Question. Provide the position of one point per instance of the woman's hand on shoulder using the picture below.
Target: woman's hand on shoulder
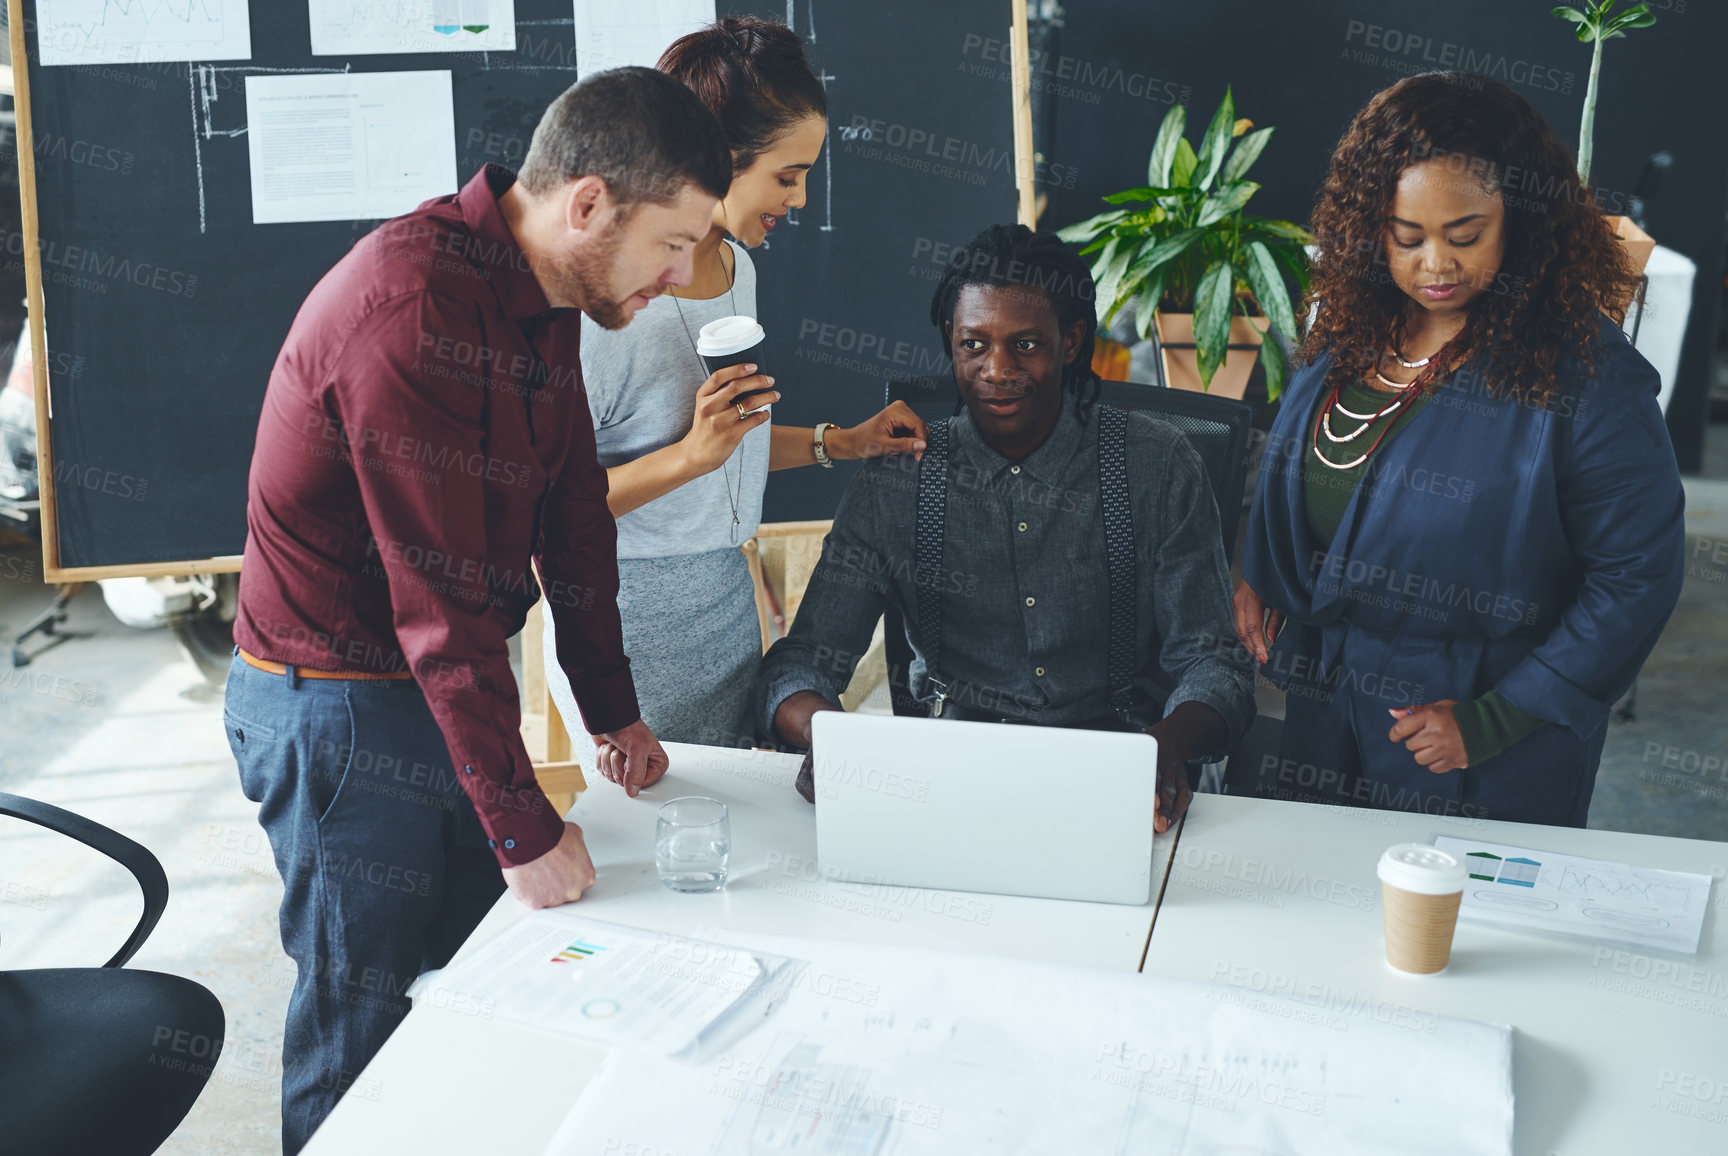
(896, 430)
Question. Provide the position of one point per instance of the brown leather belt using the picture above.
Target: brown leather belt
(269, 667)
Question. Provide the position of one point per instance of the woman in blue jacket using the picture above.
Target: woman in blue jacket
(1468, 532)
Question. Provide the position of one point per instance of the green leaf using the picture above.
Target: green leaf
(1571, 14)
(1105, 256)
(1216, 142)
(1090, 228)
(1212, 318)
(1164, 148)
(1110, 284)
(1146, 304)
(1276, 228)
(1268, 286)
(1182, 167)
(1639, 16)
(1157, 256)
(1143, 193)
(1228, 199)
(1246, 152)
(1272, 356)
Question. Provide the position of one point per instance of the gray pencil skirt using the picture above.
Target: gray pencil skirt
(694, 643)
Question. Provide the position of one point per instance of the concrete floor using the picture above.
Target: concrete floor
(117, 726)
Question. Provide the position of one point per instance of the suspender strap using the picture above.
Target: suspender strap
(1118, 542)
(927, 572)
(1119, 547)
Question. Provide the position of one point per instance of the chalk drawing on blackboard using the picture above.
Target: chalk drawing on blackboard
(373, 27)
(142, 31)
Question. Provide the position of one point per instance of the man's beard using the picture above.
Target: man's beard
(588, 285)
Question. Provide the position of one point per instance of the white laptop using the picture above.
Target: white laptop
(993, 807)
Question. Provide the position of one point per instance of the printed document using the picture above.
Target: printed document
(345, 146)
(1640, 906)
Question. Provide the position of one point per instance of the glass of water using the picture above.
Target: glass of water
(692, 842)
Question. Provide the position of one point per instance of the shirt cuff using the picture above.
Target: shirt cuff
(1490, 724)
(608, 701)
(520, 822)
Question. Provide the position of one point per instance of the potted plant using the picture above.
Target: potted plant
(1190, 261)
(1598, 23)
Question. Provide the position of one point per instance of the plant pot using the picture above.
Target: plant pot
(1182, 360)
(1637, 243)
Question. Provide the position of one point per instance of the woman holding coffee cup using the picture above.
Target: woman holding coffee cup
(687, 459)
(1468, 531)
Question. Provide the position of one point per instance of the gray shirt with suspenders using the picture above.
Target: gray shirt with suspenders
(1084, 586)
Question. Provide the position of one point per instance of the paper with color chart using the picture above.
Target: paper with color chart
(910, 1052)
(345, 146)
(142, 31)
(615, 984)
(612, 34)
(367, 27)
(1640, 906)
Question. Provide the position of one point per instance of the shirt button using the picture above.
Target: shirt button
(1030, 601)
(1039, 672)
(1022, 527)
(470, 770)
(492, 843)
(1013, 469)
(509, 844)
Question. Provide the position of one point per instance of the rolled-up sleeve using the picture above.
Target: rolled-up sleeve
(1190, 598)
(429, 538)
(848, 592)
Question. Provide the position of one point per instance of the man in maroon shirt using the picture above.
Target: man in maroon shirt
(424, 435)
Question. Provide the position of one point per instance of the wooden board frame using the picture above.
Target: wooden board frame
(52, 571)
(25, 147)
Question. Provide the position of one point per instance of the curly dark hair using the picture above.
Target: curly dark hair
(1562, 267)
(751, 74)
(1013, 256)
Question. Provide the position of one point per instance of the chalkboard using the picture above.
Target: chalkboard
(162, 306)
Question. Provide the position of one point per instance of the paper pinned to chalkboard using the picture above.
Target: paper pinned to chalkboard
(612, 35)
(371, 27)
(1593, 898)
(344, 146)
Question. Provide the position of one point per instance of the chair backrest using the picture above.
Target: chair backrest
(135, 857)
(1217, 428)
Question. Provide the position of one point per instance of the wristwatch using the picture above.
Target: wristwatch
(822, 457)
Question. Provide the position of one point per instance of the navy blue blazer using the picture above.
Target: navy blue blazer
(1492, 544)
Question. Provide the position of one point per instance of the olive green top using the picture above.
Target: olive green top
(1488, 724)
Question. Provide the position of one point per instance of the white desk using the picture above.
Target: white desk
(518, 1082)
(1616, 1051)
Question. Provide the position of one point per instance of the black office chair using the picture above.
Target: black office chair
(102, 1059)
(1217, 428)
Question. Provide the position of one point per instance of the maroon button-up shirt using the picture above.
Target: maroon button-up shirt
(425, 432)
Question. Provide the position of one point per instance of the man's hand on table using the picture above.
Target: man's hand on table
(632, 757)
(559, 876)
(1191, 729)
(792, 721)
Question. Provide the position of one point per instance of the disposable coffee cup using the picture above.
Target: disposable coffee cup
(1420, 890)
(735, 340)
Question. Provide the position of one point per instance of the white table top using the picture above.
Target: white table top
(516, 1082)
(1616, 1050)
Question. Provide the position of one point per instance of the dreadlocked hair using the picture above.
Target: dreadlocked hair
(1013, 256)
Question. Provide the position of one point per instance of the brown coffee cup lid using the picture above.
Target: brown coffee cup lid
(1422, 869)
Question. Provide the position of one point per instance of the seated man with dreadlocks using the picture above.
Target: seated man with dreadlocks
(1056, 562)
